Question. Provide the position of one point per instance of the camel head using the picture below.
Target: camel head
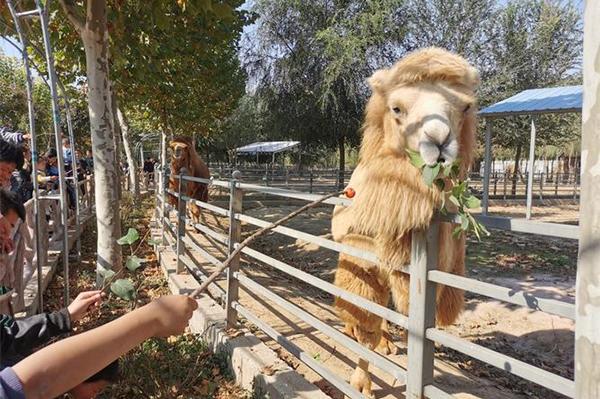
(426, 103)
(182, 148)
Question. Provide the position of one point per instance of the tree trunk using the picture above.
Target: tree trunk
(134, 184)
(342, 163)
(106, 178)
(516, 172)
(117, 141)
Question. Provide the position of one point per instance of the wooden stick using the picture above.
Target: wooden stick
(253, 237)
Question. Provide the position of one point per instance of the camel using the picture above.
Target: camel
(185, 156)
(425, 103)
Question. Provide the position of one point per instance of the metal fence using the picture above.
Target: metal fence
(545, 185)
(424, 276)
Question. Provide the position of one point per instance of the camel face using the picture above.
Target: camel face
(180, 151)
(427, 117)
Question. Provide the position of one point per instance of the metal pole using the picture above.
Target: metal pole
(487, 166)
(235, 234)
(181, 220)
(587, 303)
(530, 166)
(58, 141)
(422, 308)
(34, 154)
(74, 166)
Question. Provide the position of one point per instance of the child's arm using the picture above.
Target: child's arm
(20, 337)
(61, 366)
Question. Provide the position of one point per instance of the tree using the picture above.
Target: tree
(538, 45)
(309, 60)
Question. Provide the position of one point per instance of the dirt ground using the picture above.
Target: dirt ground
(542, 265)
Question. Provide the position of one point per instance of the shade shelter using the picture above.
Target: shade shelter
(532, 102)
(267, 147)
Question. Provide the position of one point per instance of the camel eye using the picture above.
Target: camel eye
(397, 111)
(467, 108)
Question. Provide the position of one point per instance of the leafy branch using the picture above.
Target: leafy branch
(124, 287)
(458, 199)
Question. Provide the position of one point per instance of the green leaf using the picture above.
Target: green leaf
(454, 200)
(415, 159)
(131, 237)
(124, 289)
(464, 222)
(106, 274)
(472, 202)
(152, 241)
(133, 263)
(457, 232)
(430, 173)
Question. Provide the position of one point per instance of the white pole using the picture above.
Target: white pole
(587, 304)
(530, 175)
(487, 166)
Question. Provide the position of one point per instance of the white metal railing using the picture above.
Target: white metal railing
(424, 277)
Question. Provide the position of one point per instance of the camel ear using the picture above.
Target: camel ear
(472, 78)
(379, 80)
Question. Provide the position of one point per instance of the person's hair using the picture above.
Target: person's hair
(51, 153)
(109, 373)
(10, 200)
(11, 153)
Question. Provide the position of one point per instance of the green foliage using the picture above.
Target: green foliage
(458, 199)
(133, 263)
(124, 289)
(130, 238)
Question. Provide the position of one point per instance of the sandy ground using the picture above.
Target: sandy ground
(540, 265)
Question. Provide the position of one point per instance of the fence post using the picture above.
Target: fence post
(542, 186)
(235, 233)
(310, 189)
(556, 184)
(424, 250)
(165, 207)
(181, 220)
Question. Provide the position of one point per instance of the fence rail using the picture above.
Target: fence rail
(424, 277)
(502, 185)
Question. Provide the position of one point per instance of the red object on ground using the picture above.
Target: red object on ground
(349, 192)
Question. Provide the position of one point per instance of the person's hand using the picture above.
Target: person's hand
(54, 178)
(26, 136)
(84, 301)
(171, 314)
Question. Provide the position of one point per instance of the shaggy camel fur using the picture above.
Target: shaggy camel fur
(185, 156)
(426, 103)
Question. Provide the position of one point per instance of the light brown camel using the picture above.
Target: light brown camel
(184, 155)
(425, 103)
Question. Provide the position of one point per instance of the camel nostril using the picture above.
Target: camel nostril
(441, 160)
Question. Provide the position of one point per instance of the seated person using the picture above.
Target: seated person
(11, 210)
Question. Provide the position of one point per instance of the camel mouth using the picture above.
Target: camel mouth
(433, 153)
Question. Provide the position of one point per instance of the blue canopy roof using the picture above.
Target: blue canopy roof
(538, 101)
(267, 147)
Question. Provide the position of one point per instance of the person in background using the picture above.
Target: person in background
(52, 166)
(11, 210)
(67, 155)
(89, 162)
(20, 181)
(44, 181)
(11, 158)
(13, 137)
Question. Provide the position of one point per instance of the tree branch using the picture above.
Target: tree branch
(70, 8)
